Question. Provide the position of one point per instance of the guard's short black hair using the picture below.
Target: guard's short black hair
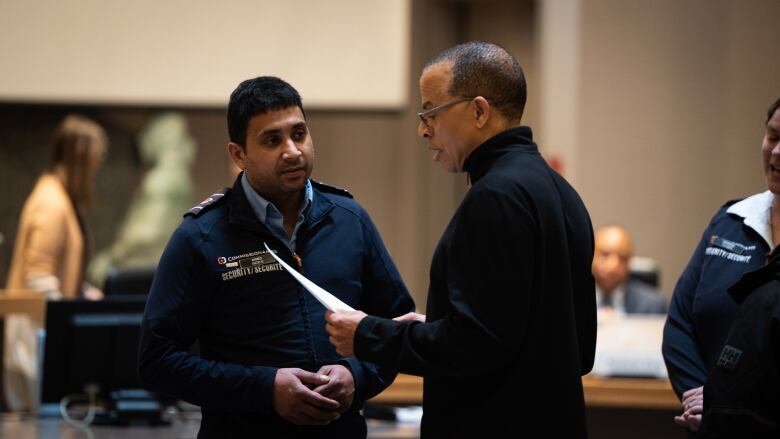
(772, 109)
(487, 70)
(257, 96)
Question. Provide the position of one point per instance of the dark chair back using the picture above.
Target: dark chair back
(646, 270)
(129, 281)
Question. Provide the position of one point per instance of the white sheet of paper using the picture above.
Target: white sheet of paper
(327, 299)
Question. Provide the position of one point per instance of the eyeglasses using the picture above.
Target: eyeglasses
(424, 115)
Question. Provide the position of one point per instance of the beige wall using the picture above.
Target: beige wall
(668, 96)
(339, 53)
(664, 107)
(672, 102)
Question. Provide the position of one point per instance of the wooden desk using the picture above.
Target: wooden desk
(629, 393)
(405, 390)
(23, 302)
(599, 392)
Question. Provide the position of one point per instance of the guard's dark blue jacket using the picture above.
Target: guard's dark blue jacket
(701, 310)
(216, 284)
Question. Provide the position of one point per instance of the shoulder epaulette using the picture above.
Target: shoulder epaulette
(331, 189)
(210, 201)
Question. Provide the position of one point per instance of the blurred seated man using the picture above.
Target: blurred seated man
(615, 291)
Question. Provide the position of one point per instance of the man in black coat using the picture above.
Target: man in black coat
(511, 322)
(742, 392)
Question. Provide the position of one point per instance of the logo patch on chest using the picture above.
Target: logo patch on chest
(730, 250)
(248, 264)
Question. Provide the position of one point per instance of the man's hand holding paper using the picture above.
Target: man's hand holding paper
(342, 326)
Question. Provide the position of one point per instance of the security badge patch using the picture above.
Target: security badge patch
(729, 357)
(733, 251)
(248, 263)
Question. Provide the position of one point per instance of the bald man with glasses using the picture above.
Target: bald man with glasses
(511, 323)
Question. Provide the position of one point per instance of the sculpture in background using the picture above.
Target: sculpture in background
(167, 149)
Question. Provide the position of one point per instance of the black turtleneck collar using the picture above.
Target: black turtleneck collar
(480, 160)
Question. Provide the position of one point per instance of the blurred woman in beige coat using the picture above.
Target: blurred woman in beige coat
(50, 250)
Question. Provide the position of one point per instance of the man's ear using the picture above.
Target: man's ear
(237, 153)
(482, 111)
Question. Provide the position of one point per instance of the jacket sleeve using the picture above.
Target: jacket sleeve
(485, 327)
(684, 364)
(581, 251)
(385, 295)
(175, 311)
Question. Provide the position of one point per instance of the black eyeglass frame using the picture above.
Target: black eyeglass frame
(424, 115)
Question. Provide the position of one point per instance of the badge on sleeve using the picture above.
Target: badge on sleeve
(729, 357)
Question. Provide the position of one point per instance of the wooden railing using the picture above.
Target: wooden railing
(599, 392)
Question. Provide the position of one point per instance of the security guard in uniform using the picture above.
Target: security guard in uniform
(738, 239)
(265, 366)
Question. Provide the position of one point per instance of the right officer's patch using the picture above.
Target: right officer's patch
(729, 357)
